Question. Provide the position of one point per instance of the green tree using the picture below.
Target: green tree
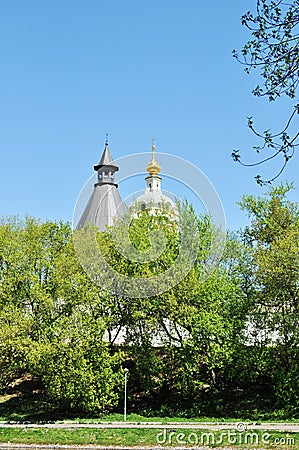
(28, 252)
(274, 235)
(75, 365)
(14, 343)
(52, 317)
(274, 239)
(180, 340)
(274, 50)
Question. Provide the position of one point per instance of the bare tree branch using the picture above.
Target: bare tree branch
(274, 50)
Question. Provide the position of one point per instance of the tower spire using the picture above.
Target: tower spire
(105, 203)
(106, 167)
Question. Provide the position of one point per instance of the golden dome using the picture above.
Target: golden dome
(153, 168)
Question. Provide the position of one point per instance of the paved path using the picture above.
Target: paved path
(239, 426)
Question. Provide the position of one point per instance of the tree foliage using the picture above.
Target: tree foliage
(274, 319)
(51, 323)
(179, 341)
(215, 340)
(274, 51)
(274, 239)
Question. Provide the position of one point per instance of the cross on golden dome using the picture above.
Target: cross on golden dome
(153, 168)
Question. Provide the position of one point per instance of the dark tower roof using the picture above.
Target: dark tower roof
(105, 204)
(106, 159)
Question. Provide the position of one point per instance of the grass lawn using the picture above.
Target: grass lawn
(78, 436)
(149, 437)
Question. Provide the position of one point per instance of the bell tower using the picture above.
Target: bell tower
(153, 181)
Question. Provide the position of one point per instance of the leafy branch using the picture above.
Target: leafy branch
(274, 50)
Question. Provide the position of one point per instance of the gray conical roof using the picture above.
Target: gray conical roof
(106, 159)
(105, 204)
(103, 208)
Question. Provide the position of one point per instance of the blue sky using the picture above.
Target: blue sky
(73, 70)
